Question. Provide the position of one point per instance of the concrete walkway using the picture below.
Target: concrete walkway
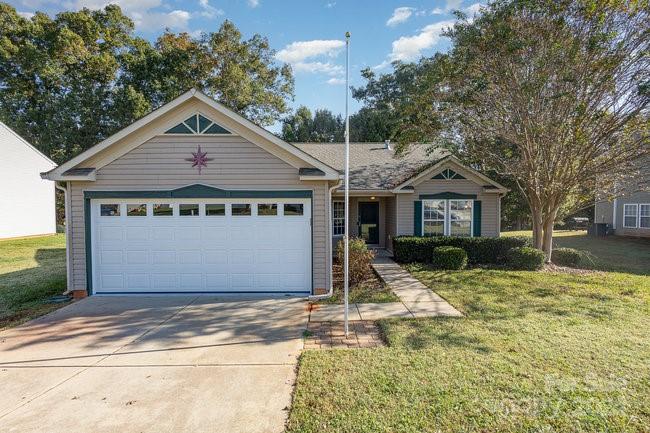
(153, 364)
(416, 299)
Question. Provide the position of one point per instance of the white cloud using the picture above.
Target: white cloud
(253, 3)
(175, 20)
(209, 11)
(26, 15)
(318, 68)
(409, 48)
(330, 5)
(335, 81)
(298, 51)
(451, 5)
(473, 9)
(400, 15)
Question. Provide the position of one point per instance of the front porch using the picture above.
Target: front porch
(372, 218)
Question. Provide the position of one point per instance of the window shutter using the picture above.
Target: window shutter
(417, 218)
(477, 218)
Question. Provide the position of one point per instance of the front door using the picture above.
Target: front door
(369, 222)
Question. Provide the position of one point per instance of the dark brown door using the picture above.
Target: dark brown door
(369, 221)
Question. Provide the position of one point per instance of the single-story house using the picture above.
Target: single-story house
(27, 207)
(628, 214)
(194, 198)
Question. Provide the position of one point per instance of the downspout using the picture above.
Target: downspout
(330, 291)
(68, 251)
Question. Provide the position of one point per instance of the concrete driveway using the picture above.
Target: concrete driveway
(153, 364)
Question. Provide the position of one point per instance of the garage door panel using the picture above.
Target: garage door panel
(219, 253)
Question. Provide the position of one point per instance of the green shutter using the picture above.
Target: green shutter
(477, 218)
(417, 218)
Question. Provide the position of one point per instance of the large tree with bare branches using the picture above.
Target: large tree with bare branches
(552, 94)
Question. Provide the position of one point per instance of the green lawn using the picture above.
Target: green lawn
(31, 271)
(535, 352)
(612, 253)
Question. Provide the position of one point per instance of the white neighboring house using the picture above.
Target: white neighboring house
(27, 204)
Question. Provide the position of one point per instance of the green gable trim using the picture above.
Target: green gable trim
(448, 174)
(417, 218)
(447, 196)
(199, 191)
(477, 218)
(88, 244)
(197, 124)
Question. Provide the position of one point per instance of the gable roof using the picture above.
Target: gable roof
(59, 172)
(372, 165)
(26, 143)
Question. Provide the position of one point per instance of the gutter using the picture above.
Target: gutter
(330, 291)
(68, 250)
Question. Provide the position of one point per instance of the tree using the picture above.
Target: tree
(552, 94)
(70, 81)
(323, 127)
(399, 104)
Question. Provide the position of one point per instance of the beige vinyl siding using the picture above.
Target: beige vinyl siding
(236, 164)
(489, 203)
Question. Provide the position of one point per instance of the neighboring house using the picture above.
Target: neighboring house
(195, 198)
(27, 206)
(629, 213)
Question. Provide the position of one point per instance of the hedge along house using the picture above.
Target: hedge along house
(193, 198)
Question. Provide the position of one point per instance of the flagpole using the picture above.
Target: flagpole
(346, 264)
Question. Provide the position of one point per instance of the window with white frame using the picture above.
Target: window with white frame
(338, 218)
(447, 217)
(460, 217)
(644, 216)
(433, 218)
(630, 215)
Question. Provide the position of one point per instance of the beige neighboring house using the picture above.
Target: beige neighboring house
(194, 198)
(27, 206)
(629, 213)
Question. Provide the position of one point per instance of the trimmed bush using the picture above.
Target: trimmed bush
(525, 258)
(480, 251)
(360, 259)
(566, 257)
(450, 258)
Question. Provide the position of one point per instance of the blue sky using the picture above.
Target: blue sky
(307, 34)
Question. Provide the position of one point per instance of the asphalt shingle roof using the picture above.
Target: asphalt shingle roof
(372, 166)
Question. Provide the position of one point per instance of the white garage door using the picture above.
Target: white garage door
(206, 245)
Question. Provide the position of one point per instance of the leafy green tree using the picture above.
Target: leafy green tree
(551, 94)
(323, 127)
(70, 81)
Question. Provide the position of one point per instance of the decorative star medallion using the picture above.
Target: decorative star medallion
(199, 159)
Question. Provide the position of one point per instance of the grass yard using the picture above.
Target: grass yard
(612, 253)
(31, 271)
(536, 352)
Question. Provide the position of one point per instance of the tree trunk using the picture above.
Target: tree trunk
(537, 228)
(547, 245)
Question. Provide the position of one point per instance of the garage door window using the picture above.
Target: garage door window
(293, 209)
(136, 210)
(215, 209)
(188, 209)
(241, 209)
(267, 209)
(163, 210)
(109, 210)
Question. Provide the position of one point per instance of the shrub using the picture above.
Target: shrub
(360, 259)
(452, 258)
(480, 251)
(566, 257)
(525, 258)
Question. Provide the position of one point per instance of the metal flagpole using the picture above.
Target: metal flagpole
(346, 264)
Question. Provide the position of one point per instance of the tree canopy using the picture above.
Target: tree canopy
(70, 81)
